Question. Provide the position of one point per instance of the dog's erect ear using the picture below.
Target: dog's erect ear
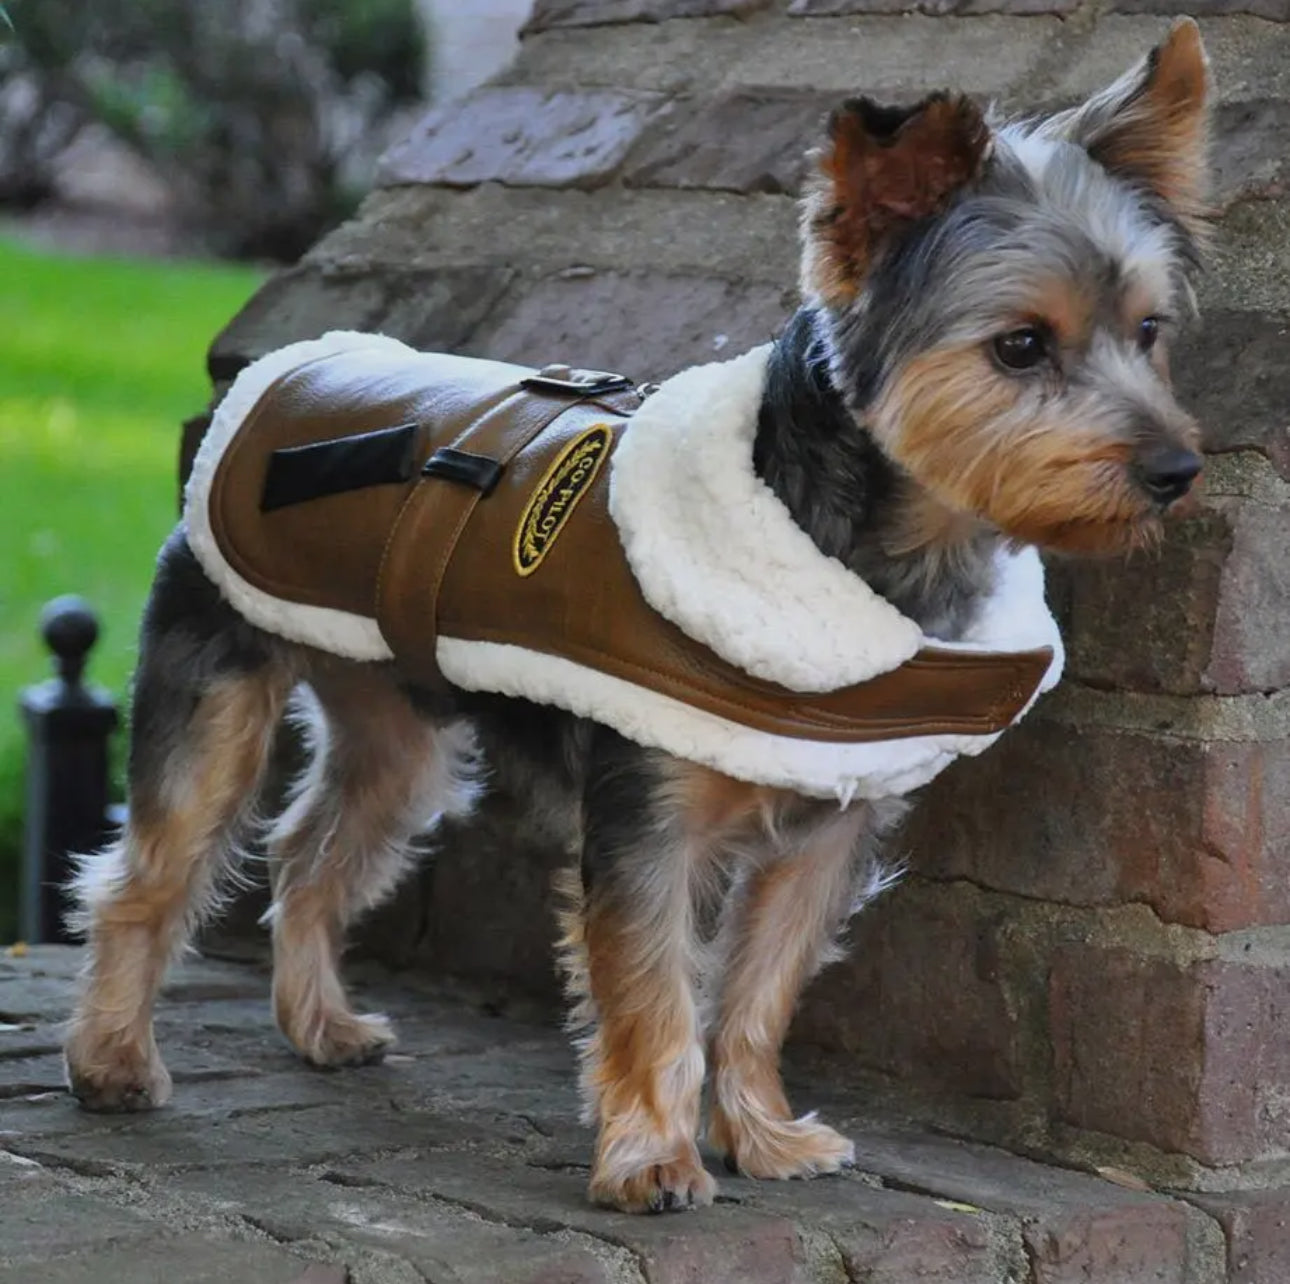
(1151, 127)
(883, 168)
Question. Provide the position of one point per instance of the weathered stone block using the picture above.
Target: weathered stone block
(751, 140)
(1256, 1226)
(1249, 58)
(1208, 611)
(726, 1245)
(1231, 373)
(443, 1243)
(192, 1258)
(488, 905)
(594, 13)
(1275, 10)
(430, 309)
(1137, 1245)
(537, 232)
(646, 326)
(887, 1236)
(1096, 815)
(523, 137)
(1191, 1057)
(934, 8)
(922, 995)
(1145, 624)
(1251, 649)
(1249, 156)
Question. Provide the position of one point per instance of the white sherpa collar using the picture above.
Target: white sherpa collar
(718, 553)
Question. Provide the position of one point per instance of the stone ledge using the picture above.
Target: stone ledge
(598, 13)
(437, 308)
(893, 55)
(409, 229)
(461, 1158)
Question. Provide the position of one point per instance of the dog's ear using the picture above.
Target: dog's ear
(1151, 127)
(883, 168)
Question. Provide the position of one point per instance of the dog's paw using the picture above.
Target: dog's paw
(346, 1039)
(680, 1184)
(110, 1075)
(780, 1148)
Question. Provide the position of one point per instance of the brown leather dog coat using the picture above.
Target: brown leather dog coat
(450, 497)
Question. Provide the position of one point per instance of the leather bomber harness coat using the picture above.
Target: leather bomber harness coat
(453, 514)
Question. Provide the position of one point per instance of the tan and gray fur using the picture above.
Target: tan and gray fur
(980, 358)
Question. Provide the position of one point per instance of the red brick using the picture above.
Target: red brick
(887, 1236)
(1209, 612)
(1142, 1244)
(596, 13)
(1237, 359)
(1251, 650)
(752, 140)
(942, 1014)
(1189, 1057)
(1256, 1226)
(523, 137)
(1198, 830)
(1075, 1227)
(1146, 624)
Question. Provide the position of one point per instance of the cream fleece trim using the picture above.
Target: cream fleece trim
(718, 553)
(354, 636)
(880, 769)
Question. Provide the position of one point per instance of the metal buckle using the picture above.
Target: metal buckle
(581, 383)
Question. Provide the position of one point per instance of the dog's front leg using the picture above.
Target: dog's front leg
(643, 1062)
(785, 921)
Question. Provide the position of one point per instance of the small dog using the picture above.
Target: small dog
(980, 364)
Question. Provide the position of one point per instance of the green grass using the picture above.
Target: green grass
(100, 361)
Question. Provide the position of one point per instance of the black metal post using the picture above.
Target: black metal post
(68, 728)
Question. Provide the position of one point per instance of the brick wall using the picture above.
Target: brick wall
(1092, 955)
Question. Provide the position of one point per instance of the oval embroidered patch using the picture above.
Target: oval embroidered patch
(557, 495)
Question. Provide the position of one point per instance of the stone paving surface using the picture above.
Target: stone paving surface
(461, 1159)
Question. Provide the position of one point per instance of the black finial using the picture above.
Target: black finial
(70, 628)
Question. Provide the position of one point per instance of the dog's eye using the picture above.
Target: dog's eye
(1148, 333)
(1021, 349)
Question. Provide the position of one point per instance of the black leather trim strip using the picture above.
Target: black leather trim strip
(478, 471)
(297, 474)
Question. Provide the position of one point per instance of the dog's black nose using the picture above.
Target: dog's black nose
(1167, 473)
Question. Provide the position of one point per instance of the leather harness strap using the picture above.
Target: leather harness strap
(439, 508)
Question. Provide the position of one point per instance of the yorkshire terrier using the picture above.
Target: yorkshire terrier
(980, 364)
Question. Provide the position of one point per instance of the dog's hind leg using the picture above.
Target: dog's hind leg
(786, 921)
(631, 950)
(208, 694)
(379, 773)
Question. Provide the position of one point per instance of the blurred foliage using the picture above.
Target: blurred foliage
(264, 117)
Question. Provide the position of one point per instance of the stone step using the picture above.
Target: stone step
(462, 1159)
